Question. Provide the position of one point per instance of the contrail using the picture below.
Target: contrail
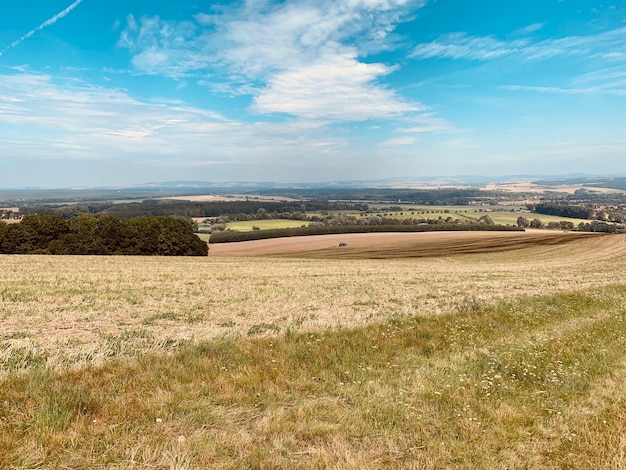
(46, 23)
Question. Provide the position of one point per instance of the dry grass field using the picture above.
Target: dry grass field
(247, 226)
(456, 351)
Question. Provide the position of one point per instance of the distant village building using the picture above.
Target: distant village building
(10, 213)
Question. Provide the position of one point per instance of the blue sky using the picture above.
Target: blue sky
(106, 93)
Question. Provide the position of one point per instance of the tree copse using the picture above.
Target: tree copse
(101, 234)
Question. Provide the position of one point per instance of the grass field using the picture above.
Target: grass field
(204, 236)
(247, 226)
(493, 359)
(505, 215)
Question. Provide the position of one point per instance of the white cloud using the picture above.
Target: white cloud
(98, 120)
(532, 28)
(336, 88)
(602, 53)
(74, 121)
(398, 142)
(427, 123)
(567, 91)
(462, 46)
(161, 47)
(285, 54)
(609, 44)
(606, 77)
(205, 19)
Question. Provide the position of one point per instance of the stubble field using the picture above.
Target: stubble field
(505, 356)
(67, 310)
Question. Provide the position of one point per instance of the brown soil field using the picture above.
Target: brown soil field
(393, 245)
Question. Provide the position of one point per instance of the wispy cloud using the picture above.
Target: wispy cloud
(397, 142)
(461, 46)
(532, 28)
(165, 47)
(293, 57)
(567, 91)
(81, 122)
(427, 123)
(611, 76)
(43, 25)
(260, 37)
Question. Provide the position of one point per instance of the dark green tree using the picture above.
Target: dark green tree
(536, 223)
(34, 233)
(95, 234)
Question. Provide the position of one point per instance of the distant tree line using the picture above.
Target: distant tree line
(386, 220)
(563, 210)
(616, 183)
(89, 234)
(591, 211)
(601, 227)
(16, 197)
(438, 197)
(235, 236)
(169, 207)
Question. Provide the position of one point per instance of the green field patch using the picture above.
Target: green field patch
(500, 214)
(204, 236)
(248, 226)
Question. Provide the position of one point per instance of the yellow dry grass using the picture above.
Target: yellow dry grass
(78, 310)
(537, 383)
(491, 359)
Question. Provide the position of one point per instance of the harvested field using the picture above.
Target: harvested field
(86, 309)
(232, 197)
(479, 359)
(394, 245)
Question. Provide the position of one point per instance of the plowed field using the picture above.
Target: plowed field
(395, 245)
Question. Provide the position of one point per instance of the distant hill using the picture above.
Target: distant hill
(165, 189)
